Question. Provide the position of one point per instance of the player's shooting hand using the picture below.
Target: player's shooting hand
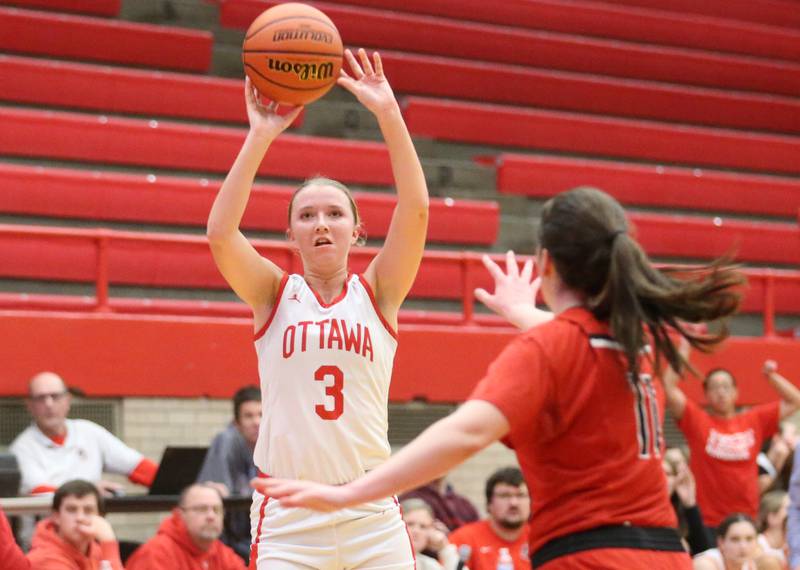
(265, 121)
(515, 291)
(303, 494)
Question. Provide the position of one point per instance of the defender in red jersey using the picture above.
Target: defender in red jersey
(575, 397)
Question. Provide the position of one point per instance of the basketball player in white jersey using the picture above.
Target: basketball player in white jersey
(325, 339)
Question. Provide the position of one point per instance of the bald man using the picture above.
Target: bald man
(54, 450)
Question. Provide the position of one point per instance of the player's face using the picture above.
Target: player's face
(249, 420)
(74, 514)
(49, 403)
(322, 226)
(510, 505)
(202, 513)
(739, 543)
(420, 524)
(721, 393)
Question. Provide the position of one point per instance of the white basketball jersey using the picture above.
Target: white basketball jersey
(325, 373)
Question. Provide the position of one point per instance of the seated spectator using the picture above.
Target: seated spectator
(11, 555)
(774, 461)
(75, 536)
(683, 495)
(508, 505)
(229, 463)
(425, 537)
(737, 548)
(772, 524)
(189, 538)
(448, 506)
(55, 450)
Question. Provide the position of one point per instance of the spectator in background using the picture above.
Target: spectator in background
(775, 459)
(229, 463)
(425, 537)
(55, 450)
(448, 506)
(737, 548)
(508, 504)
(75, 536)
(772, 524)
(793, 516)
(11, 555)
(189, 538)
(724, 444)
(683, 494)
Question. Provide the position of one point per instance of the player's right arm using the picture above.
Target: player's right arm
(253, 278)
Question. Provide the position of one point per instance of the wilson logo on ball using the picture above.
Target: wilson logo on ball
(302, 34)
(304, 71)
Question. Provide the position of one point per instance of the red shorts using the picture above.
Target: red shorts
(620, 559)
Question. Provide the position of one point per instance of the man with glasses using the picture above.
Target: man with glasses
(54, 449)
(503, 537)
(189, 538)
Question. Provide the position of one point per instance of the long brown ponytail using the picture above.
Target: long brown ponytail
(588, 237)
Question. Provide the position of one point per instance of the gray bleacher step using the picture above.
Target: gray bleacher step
(197, 14)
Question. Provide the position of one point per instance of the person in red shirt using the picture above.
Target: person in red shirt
(574, 395)
(76, 536)
(724, 443)
(508, 505)
(11, 555)
(189, 538)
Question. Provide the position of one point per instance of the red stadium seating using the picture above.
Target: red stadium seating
(118, 90)
(771, 12)
(95, 39)
(161, 144)
(61, 193)
(601, 136)
(482, 42)
(165, 260)
(95, 7)
(650, 185)
(509, 84)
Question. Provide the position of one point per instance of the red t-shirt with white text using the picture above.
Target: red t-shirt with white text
(588, 440)
(479, 546)
(723, 457)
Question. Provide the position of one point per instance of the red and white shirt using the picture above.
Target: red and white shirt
(325, 370)
(588, 439)
(723, 457)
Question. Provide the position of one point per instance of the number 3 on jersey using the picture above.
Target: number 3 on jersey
(324, 374)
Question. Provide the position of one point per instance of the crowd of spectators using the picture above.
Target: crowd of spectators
(735, 488)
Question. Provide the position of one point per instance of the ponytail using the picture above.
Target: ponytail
(587, 235)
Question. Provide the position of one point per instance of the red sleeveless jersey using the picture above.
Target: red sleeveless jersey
(588, 439)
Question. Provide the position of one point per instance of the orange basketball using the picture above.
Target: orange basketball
(292, 53)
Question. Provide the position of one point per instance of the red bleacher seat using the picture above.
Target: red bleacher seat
(161, 144)
(118, 90)
(773, 12)
(97, 39)
(589, 18)
(500, 83)
(601, 136)
(650, 185)
(483, 42)
(80, 194)
(179, 261)
(95, 7)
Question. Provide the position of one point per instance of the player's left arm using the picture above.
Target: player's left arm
(790, 394)
(442, 446)
(394, 269)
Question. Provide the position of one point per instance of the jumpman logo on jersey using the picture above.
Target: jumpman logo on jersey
(294, 298)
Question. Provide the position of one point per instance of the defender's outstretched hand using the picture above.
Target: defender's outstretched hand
(515, 291)
(368, 83)
(303, 494)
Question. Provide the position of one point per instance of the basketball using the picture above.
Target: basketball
(292, 53)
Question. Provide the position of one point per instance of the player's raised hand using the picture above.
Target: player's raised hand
(264, 118)
(515, 291)
(367, 82)
(303, 494)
